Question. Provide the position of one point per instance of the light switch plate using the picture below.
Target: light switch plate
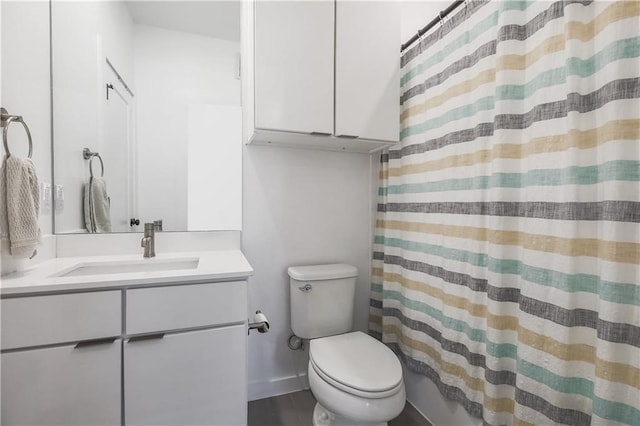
(46, 196)
(59, 197)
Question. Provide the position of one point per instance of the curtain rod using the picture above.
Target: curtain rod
(430, 25)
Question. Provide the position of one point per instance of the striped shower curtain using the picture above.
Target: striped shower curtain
(506, 263)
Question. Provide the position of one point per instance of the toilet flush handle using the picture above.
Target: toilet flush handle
(306, 288)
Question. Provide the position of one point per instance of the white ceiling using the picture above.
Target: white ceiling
(212, 18)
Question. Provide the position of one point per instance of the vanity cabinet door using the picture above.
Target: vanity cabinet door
(65, 385)
(151, 310)
(61, 318)
(188, 378)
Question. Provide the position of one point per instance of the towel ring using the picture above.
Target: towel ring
(91, 165)
(7, 119)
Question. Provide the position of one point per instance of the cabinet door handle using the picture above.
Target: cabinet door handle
(319, 134)
(95, 342)
(348, 136)
(156, 336)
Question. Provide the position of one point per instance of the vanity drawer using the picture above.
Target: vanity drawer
(185, 306)
(62, 318)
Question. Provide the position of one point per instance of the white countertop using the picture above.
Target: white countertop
(212, 266)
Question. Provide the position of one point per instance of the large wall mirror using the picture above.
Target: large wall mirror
(146, 115)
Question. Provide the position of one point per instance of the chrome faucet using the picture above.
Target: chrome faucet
(148, 241)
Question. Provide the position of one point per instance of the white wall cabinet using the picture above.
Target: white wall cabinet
(321, 74)
(184, 349)
(367, 86)
(294, 66)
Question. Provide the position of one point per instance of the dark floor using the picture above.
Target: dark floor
(296, 409)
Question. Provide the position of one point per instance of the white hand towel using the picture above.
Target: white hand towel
(97, 206)
(19, 206)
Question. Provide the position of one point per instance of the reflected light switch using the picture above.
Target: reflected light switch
(59, 197)
(45, 193)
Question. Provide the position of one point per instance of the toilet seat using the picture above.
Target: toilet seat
(357, 364)
(353, 391)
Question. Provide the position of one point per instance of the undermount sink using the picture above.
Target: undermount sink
(125, 267)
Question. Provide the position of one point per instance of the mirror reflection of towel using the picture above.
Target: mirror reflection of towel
(19, 206)
(96, 206)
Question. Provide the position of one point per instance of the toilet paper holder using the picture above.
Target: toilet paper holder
(259, 323)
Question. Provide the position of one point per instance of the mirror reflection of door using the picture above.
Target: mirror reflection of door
(117, 148)
(170, 147)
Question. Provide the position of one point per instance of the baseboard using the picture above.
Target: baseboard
(284, 385)
(421, 413)
(278, 386)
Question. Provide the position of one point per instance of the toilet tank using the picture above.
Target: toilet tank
(322, 299)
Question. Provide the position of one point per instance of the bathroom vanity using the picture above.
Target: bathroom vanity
(122, 340)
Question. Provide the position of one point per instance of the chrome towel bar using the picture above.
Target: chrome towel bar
(87, 154)
(5, 120)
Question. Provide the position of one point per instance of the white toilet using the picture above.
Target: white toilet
(356, 379)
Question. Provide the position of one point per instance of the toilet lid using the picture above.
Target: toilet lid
(358, 361)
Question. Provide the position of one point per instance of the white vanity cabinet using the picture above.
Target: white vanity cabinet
(187, 378)
(61, 359)
(321, 74)
(185, 357)
(173, 354)
(62, 385)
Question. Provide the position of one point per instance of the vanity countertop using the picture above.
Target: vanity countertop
(46, 277)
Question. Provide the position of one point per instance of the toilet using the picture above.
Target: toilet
(356, 379)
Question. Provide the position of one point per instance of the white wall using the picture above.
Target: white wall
(84, 33)
(172, 71)
(416, 14)
(24, 88)
(300, 207)
(421, 392)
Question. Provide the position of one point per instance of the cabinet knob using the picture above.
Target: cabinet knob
(319, 134)
(348, 136)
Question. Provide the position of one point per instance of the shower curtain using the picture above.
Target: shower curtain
(506, 262)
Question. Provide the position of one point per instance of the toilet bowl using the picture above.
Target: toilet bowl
(356, 379)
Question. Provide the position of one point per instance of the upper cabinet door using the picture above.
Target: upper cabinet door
(368, 69)
(294, 66)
